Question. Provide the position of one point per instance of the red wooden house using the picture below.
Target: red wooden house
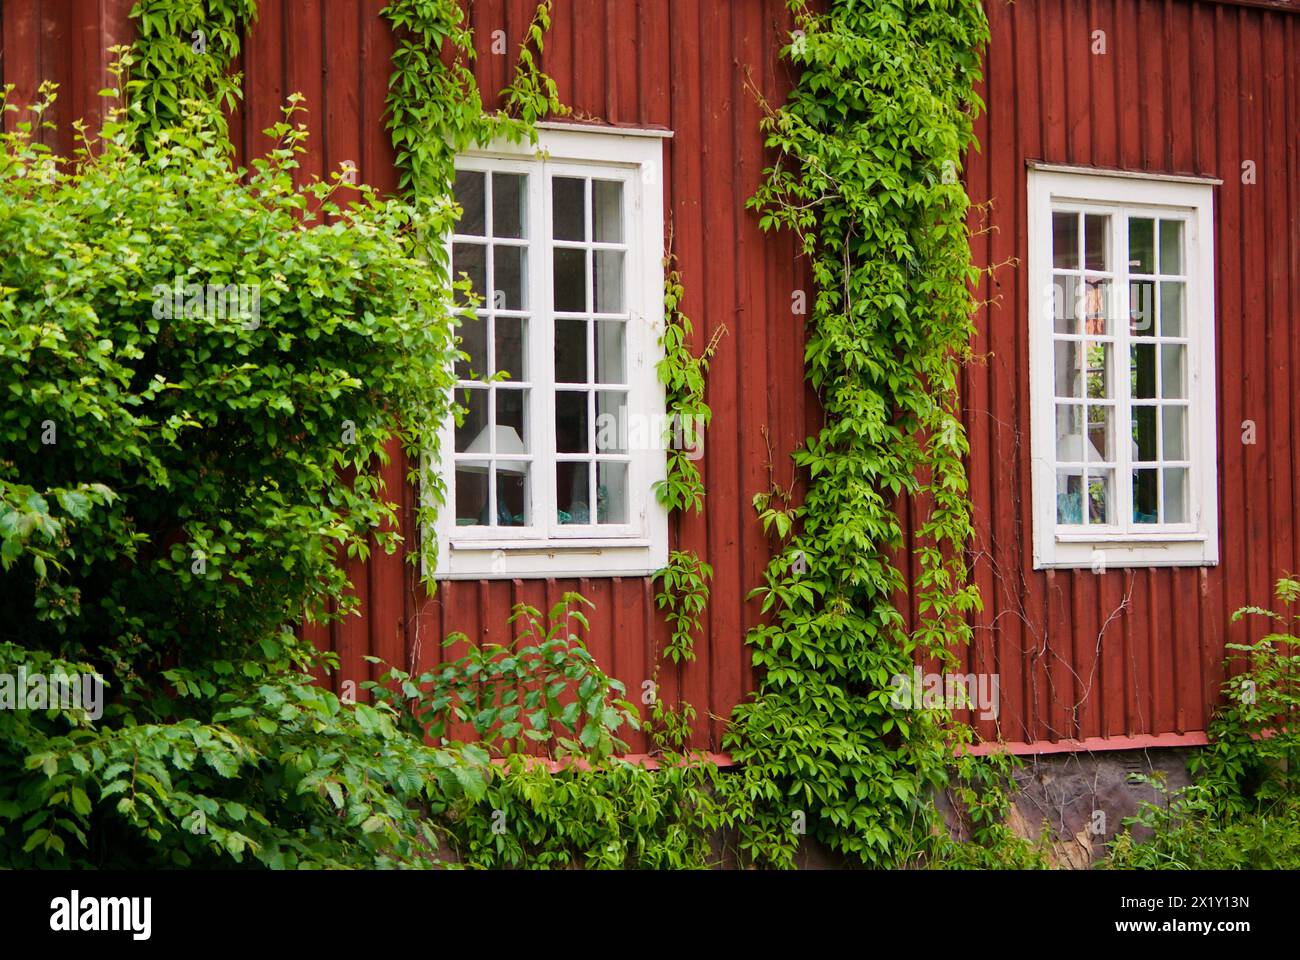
(1140, 160)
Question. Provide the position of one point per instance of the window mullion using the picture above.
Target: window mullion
(1123, 376)
(542, 353)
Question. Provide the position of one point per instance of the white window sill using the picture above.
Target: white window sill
(1126, 550)
(541, 559)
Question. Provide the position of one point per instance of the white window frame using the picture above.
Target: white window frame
(549, 549)
(1195, 543)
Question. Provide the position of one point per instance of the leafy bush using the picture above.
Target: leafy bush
(514, 696)
(178, 481)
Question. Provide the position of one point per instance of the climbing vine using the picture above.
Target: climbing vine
(867, 152)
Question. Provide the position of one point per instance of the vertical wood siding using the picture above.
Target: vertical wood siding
(1184, 87)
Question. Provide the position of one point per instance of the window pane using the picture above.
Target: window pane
(610, 351)
(1065, 304)
(568, 208)
(1099, 387)
(607, 198)
(1172, 364)
(1069, 496)
(1142, 308)
(571, 426)
(572, 493)
(469, 194)
(1095, 230)
(611, 492)
(508, 204)
(1175, 432)
(1065, 241)
(508, 278)
(1171, 309)
(1069, 379)
(1101, 496)
(1142, 370)
(570, 351)
(1144, 435)
(512, 494)
(1175, 495)
(1171, 246)
(1145, 508)
(608, 267)
(611, 407)
(1101, 434)
(475, 403)
(511, 347)
(511, 434)
(1069, 433)
(471, 495)
(473, 341)
(1097, 307)
(1141, 245)
(470, 259)
(571, 280)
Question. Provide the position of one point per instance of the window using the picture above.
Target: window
(552, 471)
(1122, 369)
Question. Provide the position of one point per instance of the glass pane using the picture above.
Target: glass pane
(568, 208)
(1141, 245)
(512, 494)
(473, 341)
(1142, 308)
(607, 199)
(570, 351)
(1142, 371)
(1145, 507)
(1069, 496)
(611, 407)
(1175, 432)
(472, 429)
(571, 424)
(1175, 504)
(508, 204)
(1171, 309)
(571, 280)
(1096, 227)
(1144, 435)
(1101, 434)
(1171, 246)
(511, 435)
(511, 347)
(1101, 496)
(1069, 372)
(611, 492)
(508, 278)
(471, 495)
(471, 259)
(1099, 371)
(469, 194)
(610, 351)
(572, 492)
(1065, 241)
(1096, 307)
(1065, 304)
(1069, 433)
(608, 267)
(1172, 370)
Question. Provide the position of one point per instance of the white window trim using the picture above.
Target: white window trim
(1192, 544)
(640, 547)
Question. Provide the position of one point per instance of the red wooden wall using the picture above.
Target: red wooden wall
(1187, 86)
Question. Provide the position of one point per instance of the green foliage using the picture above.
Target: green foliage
(435, 109)
(868, 148)
(209, 468)
(183, 50)
(515, 695)
(683, 595)
(1242, 810)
